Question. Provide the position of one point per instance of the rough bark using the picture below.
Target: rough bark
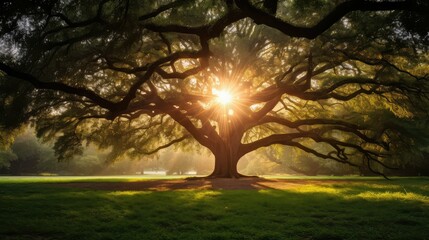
(225, 162)
(227, 151)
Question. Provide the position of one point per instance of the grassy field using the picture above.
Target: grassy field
(361, 208)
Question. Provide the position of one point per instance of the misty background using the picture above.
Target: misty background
(29, 156)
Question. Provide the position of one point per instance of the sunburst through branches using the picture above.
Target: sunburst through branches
(223, 97)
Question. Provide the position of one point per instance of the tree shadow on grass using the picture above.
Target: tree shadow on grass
(175, 184)
(201, 184)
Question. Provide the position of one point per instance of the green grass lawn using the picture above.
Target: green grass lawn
(34, 208)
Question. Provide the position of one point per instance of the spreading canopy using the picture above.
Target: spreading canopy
(234, 76)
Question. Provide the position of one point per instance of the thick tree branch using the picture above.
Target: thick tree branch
(57, 86)
(206, 32)
(184, 121)
(165, 145)
(290, 140)
(261, 17)
(162, 9)
(303, 122)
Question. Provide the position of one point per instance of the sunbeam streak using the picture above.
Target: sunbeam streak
(223, 96)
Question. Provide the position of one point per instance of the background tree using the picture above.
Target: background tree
(5, 158)
(139, 76)
(26, 156)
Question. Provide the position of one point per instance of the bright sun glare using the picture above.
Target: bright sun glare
(223, 96)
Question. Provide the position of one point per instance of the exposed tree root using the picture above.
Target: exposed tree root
(215, 176)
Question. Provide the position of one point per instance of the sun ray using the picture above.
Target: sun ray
(223, 97)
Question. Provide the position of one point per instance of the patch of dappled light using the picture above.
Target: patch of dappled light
(128, 193)
(320, 189)
(206, 194)
(392, 193)
(387, 196)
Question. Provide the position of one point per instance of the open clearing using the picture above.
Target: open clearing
(174, 208)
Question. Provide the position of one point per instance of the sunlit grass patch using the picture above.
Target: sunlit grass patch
(127, 193)
(378, 191)
(386, 196)
(319, 189)
(205, 194)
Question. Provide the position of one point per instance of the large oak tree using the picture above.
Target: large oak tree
(335, 79)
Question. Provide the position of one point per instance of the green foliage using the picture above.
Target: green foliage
(27, 155)
(68, 146)
(120, 52)
(5, 158)
(6, 139)
(15, 98)
(415, 23)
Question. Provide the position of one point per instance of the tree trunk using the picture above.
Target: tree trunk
(226, 151)
(226, 160)
(225, 166)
